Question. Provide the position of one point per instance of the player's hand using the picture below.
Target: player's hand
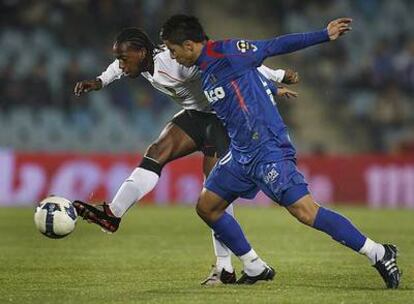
(338, 27)
(287, 93)
(291, 77)
(87, 86)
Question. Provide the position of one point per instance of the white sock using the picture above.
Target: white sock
(253, 265)
(222, 252)
(224, 262)
(373, 251)
(140, 182)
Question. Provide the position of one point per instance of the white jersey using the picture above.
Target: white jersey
(182, 84)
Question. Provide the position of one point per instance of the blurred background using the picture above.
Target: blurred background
(356, 95)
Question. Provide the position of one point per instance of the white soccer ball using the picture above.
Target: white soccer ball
(55, 217)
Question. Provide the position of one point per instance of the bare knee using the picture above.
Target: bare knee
(304, 210)
(206, 212)
(210, 207)
(153, 151)
(305, 217)
(159, 152)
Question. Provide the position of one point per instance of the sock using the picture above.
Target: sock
(222, 252)
(151, 165)
(140, 182)
(229, 232)
(253, 265)
(224, 262)
(374, 251)
(339, 228)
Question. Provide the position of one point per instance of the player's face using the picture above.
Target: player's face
(184, 54)
(131, 61)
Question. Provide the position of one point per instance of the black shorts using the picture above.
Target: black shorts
(205, 129)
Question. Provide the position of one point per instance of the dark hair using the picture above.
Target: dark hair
(180, 28)
(137, 38)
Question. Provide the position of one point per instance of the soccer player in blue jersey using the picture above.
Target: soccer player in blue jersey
(261, 155)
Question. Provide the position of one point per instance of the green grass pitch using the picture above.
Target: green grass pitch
(160, 254)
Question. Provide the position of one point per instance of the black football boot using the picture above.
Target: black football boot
(267, 275)
(387, 267)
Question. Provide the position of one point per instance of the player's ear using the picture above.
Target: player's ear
(142, 53)
(188, 45)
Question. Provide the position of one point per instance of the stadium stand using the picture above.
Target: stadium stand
(362, 86)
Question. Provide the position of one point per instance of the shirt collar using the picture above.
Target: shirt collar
(202, 56)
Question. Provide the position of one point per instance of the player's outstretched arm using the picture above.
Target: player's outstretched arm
(294, 42)
(87, 86)
(258, 50)
(112, 73)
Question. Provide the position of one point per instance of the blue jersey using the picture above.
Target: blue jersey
(242, 97)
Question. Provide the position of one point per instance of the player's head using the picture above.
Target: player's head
(184, 36)
(134, 50)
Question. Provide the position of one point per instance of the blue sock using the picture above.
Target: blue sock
(339, 228)
(230, 233)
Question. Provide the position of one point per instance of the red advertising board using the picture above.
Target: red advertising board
(25, 178)
(376, 180)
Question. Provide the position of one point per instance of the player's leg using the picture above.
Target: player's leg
(216, 144)
(222, 271)
(211, 208)
(215, 197)
(223, 254)
(287, 186)
(382, 257)
(172, 143)
(308, 212)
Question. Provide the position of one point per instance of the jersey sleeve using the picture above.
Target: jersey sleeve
(254, 52)
(112, 73)
(274, 75)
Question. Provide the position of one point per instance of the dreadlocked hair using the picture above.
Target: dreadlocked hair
(137, 38)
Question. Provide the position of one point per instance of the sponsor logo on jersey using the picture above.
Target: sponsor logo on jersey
(243, 46)
(215, 94)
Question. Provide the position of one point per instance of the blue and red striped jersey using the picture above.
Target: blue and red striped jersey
(242, 97)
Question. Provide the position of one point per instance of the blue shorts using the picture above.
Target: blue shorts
(279, 180)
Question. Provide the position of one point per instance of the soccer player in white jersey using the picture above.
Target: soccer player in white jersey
(195, 128)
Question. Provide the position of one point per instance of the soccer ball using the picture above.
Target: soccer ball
(55, 217)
